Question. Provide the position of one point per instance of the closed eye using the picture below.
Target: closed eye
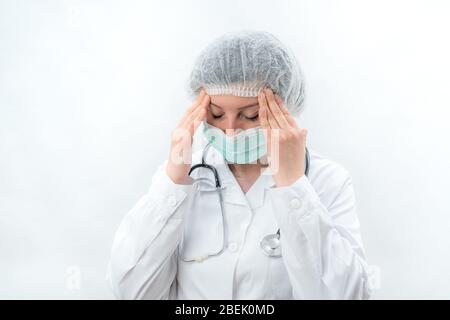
(253, 118)
(216, 116)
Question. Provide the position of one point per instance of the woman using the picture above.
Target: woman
(185, 239)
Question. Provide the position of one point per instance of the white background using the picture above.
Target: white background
(90, 91)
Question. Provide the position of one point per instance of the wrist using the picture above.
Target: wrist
(178, 178)
(286, 181)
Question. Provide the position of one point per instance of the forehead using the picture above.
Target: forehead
(232, 102)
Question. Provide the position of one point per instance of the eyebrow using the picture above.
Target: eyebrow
(247, 106)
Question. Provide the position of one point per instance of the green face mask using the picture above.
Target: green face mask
(245, 147)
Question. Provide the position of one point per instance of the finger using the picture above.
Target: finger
(271, 119)
(275, 109)
(290, 119)
(192, 123)
(263, 117)
(265, 109)
(263, 114)
(263, 121)
(187, 127)
(200, 117)
(193, 107)
(194, 114)
(198, 100)
(191, 116)
(198, 113)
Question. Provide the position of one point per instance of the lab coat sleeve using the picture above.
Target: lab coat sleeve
(321, 245)
(143, 262)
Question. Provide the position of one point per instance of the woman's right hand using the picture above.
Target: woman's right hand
(180, 156)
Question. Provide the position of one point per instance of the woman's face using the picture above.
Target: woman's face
(232, 112)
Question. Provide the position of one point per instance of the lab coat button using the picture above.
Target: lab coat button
(233, 246)
(295, 203)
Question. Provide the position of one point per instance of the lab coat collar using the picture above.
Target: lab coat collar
(232, 191)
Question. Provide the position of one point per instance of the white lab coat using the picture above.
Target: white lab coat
(322, 251)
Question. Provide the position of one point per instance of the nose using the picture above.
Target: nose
(231, 127)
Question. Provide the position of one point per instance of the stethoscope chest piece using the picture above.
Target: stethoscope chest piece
(271, 245)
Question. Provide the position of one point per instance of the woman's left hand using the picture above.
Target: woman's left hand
(287, 161)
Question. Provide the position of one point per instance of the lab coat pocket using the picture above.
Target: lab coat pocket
(203, 226)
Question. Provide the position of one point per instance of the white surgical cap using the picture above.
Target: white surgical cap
(242, 63)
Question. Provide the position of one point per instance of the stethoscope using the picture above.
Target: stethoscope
(270, 244)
